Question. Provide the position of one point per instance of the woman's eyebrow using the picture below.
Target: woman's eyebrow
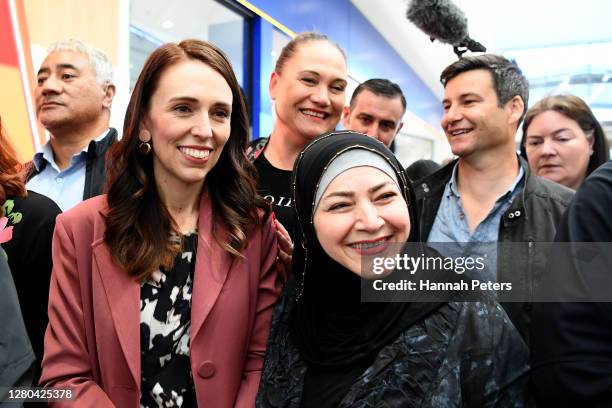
(307, 71)
(340, 194)
(378, 186)
(371, 190)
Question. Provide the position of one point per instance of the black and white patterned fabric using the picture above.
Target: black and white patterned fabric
(165, 326)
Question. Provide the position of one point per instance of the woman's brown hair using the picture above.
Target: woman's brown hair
(11, 171)
(291, 48)
(139, 227)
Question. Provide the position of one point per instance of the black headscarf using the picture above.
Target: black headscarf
(334, 331)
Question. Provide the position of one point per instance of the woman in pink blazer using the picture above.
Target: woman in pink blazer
(162, 290)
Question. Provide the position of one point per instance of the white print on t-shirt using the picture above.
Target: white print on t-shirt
(279, 202)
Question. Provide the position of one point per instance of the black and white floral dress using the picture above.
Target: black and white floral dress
(165, 327)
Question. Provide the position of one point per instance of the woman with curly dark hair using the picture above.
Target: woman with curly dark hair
(163, 289)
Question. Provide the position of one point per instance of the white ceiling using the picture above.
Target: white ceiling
(190, 18)
(499, 25)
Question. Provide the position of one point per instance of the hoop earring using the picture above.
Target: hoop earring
(144, 147)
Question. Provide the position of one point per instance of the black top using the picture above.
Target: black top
(29, 257)
(165, 326)
(572, 341)
(464, 354)
(421, 168)
(275, 186)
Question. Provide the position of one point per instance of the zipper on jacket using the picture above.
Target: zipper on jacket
(422, 214)
(530, 277)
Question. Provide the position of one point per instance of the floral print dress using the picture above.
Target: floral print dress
(165, 327)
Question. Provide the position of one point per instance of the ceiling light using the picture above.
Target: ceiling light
(167, 24)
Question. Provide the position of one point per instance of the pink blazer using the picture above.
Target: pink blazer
(92, 343)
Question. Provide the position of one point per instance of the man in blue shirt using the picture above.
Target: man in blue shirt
(73, 98)
(488, 195)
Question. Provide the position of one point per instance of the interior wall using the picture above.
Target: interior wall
(94, 22)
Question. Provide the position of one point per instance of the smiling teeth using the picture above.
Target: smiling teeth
(366, 245)
(313, 113)
(198, 154)
(459, 132)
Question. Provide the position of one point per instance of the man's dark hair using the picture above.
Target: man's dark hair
(508, 79)
(380, 87)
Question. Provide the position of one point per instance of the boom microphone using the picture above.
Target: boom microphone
(442, 20)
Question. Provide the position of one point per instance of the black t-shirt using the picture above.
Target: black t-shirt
(275, 186)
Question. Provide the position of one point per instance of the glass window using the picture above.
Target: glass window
(584, 70)
(155, 22)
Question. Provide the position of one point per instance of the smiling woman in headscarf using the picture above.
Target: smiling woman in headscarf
(329, 348)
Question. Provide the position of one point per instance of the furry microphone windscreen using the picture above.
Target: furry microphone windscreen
(442, 20)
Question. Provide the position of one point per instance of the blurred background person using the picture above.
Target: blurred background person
(334, 350)
(26, 229)
(308, 89)
(562, 140)
(376, 109)
(162, 290)
(421, 168)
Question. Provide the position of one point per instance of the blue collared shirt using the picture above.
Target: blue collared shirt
(451, 226)
(65, 187)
